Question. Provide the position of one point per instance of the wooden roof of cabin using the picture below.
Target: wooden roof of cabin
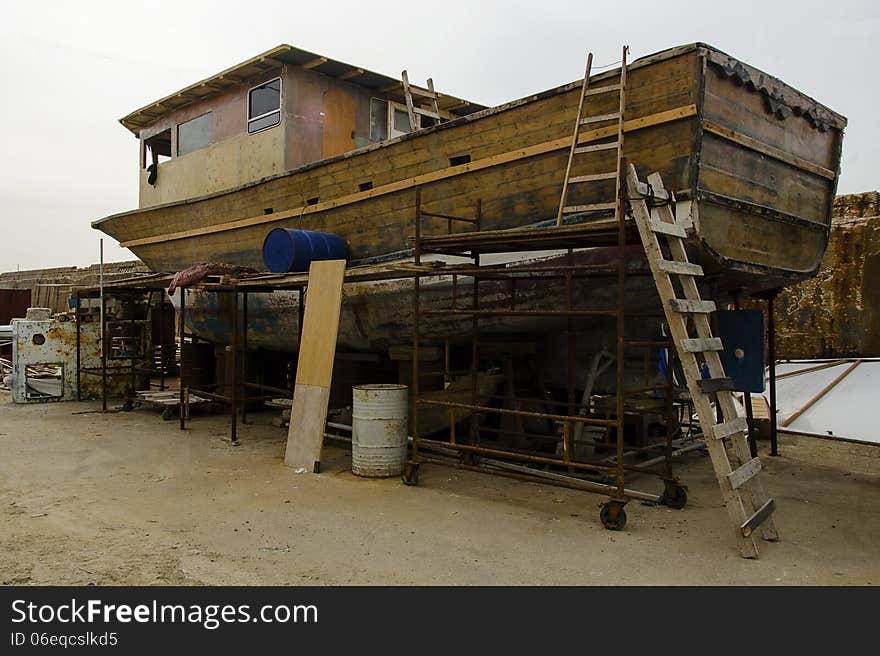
(273, 59)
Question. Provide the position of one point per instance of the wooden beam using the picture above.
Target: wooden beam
(809, 404)
(315, 63)
(766, 149)
(798, 372)
(352, 73)
(425, 178)
(314, 371)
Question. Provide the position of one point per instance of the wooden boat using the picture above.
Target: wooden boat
(754, 161)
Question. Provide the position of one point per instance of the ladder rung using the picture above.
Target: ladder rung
(597, 90)
(692, 307)
(594, 207)
(761, 514)
(598, 118)
(671, 229)
(680, 268)
(611, 145)
(419, 91)
(712, 385)
(729, 427)
(739, 476)
(700, 344)
(593, 177)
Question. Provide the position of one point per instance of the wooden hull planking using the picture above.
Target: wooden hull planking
(762, 184)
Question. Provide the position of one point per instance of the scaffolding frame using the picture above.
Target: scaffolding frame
(513, 462)
(136, 366)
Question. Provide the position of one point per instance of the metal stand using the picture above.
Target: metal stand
(539, 464)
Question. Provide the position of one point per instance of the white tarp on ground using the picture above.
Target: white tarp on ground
(848, 410)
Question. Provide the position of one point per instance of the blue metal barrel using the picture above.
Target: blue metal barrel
(287, 249)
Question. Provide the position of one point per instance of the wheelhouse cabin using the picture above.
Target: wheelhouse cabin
(275, 112)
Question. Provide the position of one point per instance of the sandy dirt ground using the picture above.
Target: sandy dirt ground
(127, 498)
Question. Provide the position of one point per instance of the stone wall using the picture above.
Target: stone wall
(837, 313)
(52, 287)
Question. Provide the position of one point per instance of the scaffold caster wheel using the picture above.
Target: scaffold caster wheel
(127, 405)
(410, 475)
(168, 414)
(674, 496)
(613, 516)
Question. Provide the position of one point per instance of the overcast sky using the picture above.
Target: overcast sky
(70, 70)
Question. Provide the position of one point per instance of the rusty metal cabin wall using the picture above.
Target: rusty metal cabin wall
(60, 348)
(837, 313)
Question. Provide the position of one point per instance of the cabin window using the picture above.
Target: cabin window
(157, 149)
(390, 119)
(264, 106)
(365, 186)
(194, 134)
(399, 121)
(378, 119)
(459, 160)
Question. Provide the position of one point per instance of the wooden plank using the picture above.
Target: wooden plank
(683, 306)
(426, 178)
(713, 385)
(729, 427)
(671, 229)
(593, 207)
(320, 323)
(765, 149)
(701, 344)
(592, 178)
(352, 73)
(680, 268)
(599, 118)
(761, 515)
(660, 117)
(599, 90)
(305, 434)
(580, 150)
(738, 477)
(314, 370)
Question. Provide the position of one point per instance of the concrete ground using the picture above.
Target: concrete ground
(127, 498)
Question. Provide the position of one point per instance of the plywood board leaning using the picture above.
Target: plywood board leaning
(314, 371)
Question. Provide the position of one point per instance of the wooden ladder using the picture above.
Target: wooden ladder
(599, 124)
(410, 90)
(737, 472)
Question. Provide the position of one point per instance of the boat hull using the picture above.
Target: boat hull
(757, 159)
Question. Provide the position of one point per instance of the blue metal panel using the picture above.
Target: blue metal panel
(742, 333)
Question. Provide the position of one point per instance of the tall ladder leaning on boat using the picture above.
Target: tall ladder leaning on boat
(602, 127)
(736, 470)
